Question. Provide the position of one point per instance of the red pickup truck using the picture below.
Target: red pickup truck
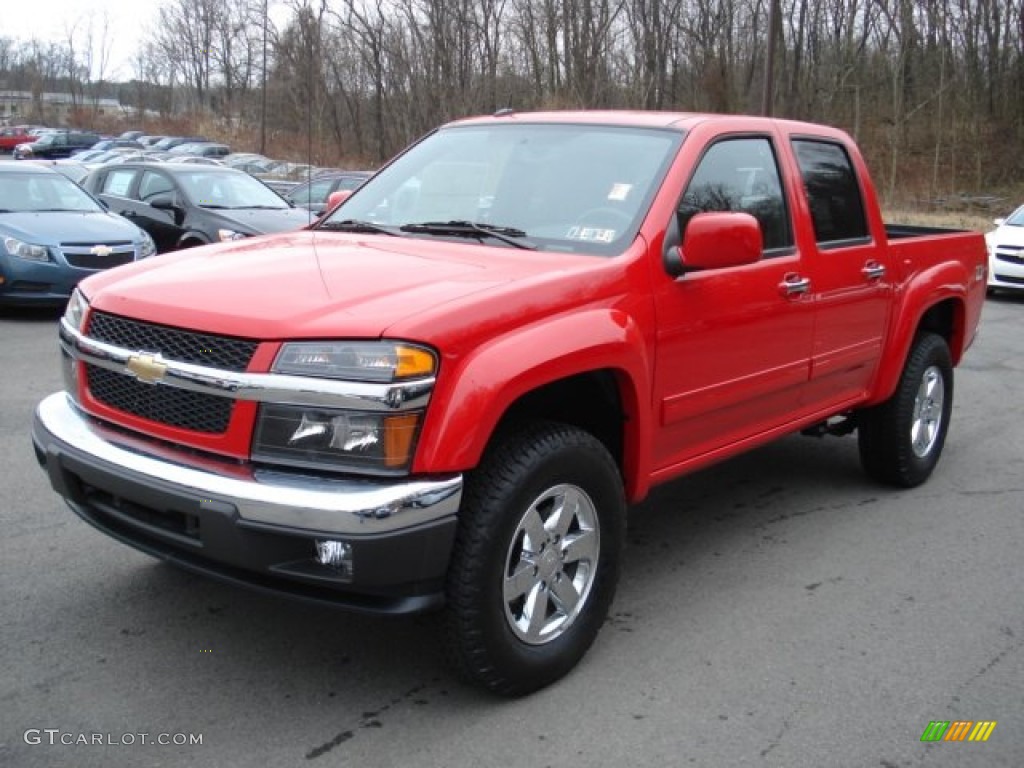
(447, 391)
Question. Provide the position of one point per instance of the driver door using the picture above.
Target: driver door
(733, 344)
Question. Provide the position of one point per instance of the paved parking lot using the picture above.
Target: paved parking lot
(777, 610)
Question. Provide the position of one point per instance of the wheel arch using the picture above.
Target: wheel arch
(191, 239)
(943, 315)
(588, 369)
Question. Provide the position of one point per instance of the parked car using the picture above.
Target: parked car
(105, 144)
(197, 160)
(53, 234)
(71, 168)
(134, 135)
(89, 155)
(13, 136)
(1006, 253)
(56, 144)
(201, 149)
(170, 142)
(183, 205)
(256, 166)
(313, 194)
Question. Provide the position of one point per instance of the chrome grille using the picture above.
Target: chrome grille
(173, 343)
(164, 404)
(84, 255)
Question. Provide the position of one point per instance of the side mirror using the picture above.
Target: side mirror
(165, 202)
(999, 222)
(715, 241)
(337, 198)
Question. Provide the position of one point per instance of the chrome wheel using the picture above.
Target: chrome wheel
(926, 423)
(551, 564)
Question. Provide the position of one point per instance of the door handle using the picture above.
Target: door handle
(794, 285)
(873, 271)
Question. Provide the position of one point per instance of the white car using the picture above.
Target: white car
(1006, 253)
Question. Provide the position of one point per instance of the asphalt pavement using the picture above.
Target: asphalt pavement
(775, 610)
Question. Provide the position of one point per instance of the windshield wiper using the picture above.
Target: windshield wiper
(357, 225)
(215, 206)
(261, 207)
(509, 235)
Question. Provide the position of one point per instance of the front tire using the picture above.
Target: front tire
(901, 439)
(536, 558)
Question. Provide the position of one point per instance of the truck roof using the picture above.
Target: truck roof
(680, 121)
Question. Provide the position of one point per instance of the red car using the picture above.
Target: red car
(13, 136)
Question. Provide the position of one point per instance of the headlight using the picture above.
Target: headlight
(373, 361)
(148, 247)
(74, 314)
(322, 438)
(27, 251)
(229, 234)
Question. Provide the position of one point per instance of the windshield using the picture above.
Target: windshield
(574, 188)
(28, 192)
(211, 189)
(1016, 218)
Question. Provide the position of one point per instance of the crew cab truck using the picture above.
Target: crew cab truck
(447, 391)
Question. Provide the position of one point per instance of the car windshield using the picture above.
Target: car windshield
(574, 188)
(209, 189)
(1016, 218)
(33, 192)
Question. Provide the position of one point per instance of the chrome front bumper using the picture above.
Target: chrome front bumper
(252, 527)
(337, 506)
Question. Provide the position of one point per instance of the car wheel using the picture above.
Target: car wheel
(536, 558)
(901, 439)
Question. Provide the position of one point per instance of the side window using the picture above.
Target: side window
(153, 184)
(315, 192)
(117, 183)
(740, 175)
(350, 182)
(833, 193)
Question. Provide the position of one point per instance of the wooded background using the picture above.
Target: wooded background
(933, 90)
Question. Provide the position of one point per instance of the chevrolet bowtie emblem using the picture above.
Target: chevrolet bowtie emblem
(101, 250)
(147, 368)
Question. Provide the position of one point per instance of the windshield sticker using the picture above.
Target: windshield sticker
(620, 192)
(591, 234)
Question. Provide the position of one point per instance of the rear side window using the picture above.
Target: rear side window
(117, 183)
(837, 208)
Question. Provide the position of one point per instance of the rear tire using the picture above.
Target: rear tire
(536, 558)
(901, 439)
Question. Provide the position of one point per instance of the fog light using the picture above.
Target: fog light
(335, 554)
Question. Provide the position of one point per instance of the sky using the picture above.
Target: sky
(50, 20)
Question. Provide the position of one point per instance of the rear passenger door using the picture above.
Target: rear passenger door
(850, 278)
(119, 189)
(165, 226)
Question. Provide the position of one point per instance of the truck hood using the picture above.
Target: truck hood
(310, 284)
